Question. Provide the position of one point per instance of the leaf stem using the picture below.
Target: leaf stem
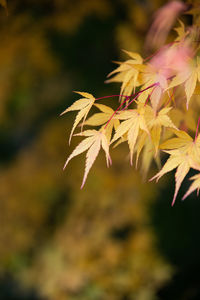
(111, 96)
(128, 97)
(149, 96)
(170, 98)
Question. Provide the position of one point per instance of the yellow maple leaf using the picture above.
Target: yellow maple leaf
(83, 105)
(128, 73)
(147, 158)
(140, 145)
(180, 31)
(185, 155)
(183, 139)
(106, 116)
(134, 122)
(94, 141)
(156, 122)
(190, 85)
(194, 186)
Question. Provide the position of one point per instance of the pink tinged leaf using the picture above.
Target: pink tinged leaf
(83, 146)
(181, 172)
(90, 157)
(179, 79)
(156, 97)
(162, 81)
(194, 186)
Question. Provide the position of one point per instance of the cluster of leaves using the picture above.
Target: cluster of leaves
(156, 98)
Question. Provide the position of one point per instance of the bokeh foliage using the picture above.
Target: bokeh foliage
(57, 242)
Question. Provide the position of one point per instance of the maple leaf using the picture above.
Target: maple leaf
(194, 186)
(134, 121)
(147, 158)
(106, 115)
(144, 143)
(180, 31)
(140, 145)
(128, 73)
(154, 77)
(155, 123)
(190, 85)
(185, 155)
(184, 117)
(170, 63)
(183, 139)
(83, 105)
(94, 141)
(188, 77)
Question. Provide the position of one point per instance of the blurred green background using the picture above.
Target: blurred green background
(118, 238)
